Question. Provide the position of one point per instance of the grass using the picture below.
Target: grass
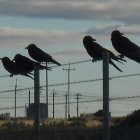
(21, 123)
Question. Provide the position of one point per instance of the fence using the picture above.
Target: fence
(121, 133)
(85, 134)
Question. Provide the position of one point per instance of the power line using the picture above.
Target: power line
(100, 100)
(93, 80)
(85, 101)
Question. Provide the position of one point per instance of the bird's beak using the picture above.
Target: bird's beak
(0, 58)
(122, 33)
(93, 39)
(26, 47)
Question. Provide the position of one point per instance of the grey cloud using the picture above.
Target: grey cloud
(90, 10)
(10, 35)
(76, 51)
(67, 10)
(102, 29)
(18, 36)
(107, 29)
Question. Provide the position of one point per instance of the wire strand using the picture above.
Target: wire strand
(85, 101)
(74, 82)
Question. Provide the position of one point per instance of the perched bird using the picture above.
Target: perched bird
(39, 55)
(95, 51)
(12, 68)
(124, 46)
(27, 65)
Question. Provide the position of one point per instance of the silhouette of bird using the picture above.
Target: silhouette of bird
(39, 55)
(95, 51)
(124, 46)
(25, 64)
(12, 68)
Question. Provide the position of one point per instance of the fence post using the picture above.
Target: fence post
(37, 103)
(106, 117)
(47, 115)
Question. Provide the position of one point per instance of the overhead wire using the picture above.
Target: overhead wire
(84, 101)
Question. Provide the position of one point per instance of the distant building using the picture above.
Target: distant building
(31, 109)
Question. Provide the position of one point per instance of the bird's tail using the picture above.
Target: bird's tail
(117, 58)
(27, 75)
(119, 61)
(112, 63)
(57, 63)
(121, 58)
(31, 73)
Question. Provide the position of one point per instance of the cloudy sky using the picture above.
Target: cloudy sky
(57, 27)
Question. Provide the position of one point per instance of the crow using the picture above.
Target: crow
(39, 55)
(124, 46)
(26, 64)
(12, 68)
(95, 51)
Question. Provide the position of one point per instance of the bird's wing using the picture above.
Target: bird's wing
(124, 46)
(129, 45)
(41, 53)
(95, 50)
(11, 68)
(28, 61)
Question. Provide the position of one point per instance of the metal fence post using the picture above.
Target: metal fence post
(106, 116)
(37, 103)
(46, 91)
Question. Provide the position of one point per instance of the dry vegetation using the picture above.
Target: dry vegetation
(60, 123)
(71, 123)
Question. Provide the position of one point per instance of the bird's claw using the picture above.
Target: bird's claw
(94, 60)
(121, 56)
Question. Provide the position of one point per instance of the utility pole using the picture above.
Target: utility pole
(29, 97)
(16, 99)
(69, 69)
(77, 97)
(106, 116)
(66, 98)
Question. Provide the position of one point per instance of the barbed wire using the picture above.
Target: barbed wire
(85, 101)
(74, 82)
(66, 64)
(73, 63)
(51, 96)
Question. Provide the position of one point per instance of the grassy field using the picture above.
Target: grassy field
(51, 123)
(69, 127)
